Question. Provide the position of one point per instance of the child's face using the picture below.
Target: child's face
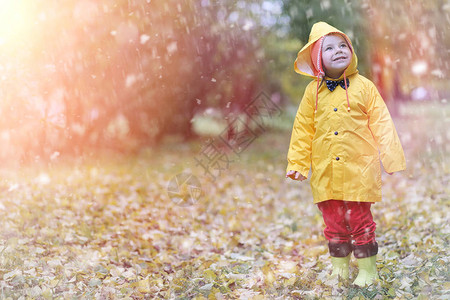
(336, 55)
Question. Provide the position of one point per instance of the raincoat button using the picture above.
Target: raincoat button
(335, 109)
(335, 133)
(337, 158)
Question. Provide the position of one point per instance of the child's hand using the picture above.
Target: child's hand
(295, 175)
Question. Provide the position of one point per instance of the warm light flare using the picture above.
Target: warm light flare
(16, 21)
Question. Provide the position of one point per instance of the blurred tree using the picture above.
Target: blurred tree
(280, 54)
(125, 74)
(408, 41)
(206, 60)
(400, 44)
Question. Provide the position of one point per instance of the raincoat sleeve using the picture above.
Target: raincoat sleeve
(299, 154)
(383, 130)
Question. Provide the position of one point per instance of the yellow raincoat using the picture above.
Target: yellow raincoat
(343, 148)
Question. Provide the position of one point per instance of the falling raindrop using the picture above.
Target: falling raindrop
(144, 38)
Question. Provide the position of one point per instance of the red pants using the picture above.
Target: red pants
(349, 227)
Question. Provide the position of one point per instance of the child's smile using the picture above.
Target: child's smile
(336, 55)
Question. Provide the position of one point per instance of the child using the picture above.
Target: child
(342, 129)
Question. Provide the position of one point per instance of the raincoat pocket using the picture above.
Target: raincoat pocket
(370, 169)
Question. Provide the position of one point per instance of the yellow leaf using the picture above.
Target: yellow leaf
(391, 292)
(288, 267)
(54, 282)
(270, 277)
(144, 286)
(209, 275)
(425, 277)
(47, 294)
(215, 295)
(11, 275)
(290, 281)
(115, 271)
(315, 251)
(212, 294)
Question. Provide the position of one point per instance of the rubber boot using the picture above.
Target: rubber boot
(367, 271)
(340, 266)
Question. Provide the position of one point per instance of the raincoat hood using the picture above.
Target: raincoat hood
(308, 60)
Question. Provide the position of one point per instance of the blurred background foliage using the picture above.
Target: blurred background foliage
(79, 76)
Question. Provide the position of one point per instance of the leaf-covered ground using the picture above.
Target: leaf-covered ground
(109, 230)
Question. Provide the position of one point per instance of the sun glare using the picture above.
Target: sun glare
(16, 22)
